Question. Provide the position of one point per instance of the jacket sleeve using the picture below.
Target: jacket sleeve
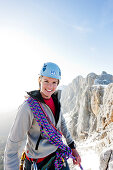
(17, 133)
(66, 133)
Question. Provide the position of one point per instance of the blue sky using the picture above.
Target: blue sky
(76, 34)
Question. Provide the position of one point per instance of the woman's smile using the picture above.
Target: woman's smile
(48, 86)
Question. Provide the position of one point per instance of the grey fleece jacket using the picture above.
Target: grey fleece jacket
(25, 123)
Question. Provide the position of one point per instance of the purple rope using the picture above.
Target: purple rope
(52, 135)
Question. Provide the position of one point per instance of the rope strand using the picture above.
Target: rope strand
(53, 135)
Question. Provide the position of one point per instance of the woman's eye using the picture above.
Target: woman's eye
(54, 82)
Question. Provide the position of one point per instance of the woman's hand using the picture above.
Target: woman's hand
(77, 161)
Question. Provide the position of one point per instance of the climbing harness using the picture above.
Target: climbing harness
(64, 152)
(48, 164)
(22, 160)
(34, 166)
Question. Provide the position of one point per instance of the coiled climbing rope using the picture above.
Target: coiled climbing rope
(53, 135)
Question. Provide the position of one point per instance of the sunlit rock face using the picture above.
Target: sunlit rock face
(96, 99)
(108, 105)
(88, 104)
(106, 159)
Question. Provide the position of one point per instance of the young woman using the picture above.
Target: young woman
(41, 119)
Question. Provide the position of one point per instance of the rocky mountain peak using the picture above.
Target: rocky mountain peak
(87, 104)
(104, 79)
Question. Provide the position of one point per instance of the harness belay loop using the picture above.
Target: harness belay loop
(54, 135)
(34, 166)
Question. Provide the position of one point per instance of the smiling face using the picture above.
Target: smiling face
(47, 86)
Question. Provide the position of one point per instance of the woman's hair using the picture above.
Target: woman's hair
(39, 78)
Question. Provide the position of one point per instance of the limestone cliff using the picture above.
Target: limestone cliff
(88, 102)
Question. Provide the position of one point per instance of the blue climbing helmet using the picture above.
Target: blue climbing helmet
(52, 70)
